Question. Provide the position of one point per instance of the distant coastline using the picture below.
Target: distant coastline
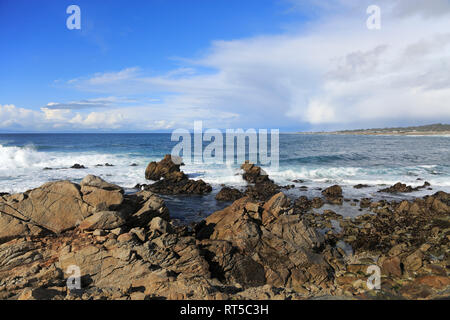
(427, 130)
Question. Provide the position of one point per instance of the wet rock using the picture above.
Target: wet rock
(262, 191)
(403, 188)
(171, 180)
(302, 204)
(260, 186)
(229, 194)
(254, 174)
(166, 168)
(333, 192)
(185, 186)
(361, 186)
(317, 203)
(78, 166)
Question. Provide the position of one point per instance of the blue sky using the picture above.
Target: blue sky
(159, 65)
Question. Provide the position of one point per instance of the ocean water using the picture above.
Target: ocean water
(318, 160)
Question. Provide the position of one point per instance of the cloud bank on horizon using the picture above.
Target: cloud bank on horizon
(332, 73)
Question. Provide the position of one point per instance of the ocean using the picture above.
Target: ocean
(29, 160)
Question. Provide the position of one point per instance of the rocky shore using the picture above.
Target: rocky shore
(264, 245)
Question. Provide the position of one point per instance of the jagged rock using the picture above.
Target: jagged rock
(254, 174)
(149, 206)
(276, 206)
(283, 248)
(173, 180)
(60, 206)
(262, 191)
(403, 188)
(261, 187)
(186, 186)
(102, 199)
(158, 224)
(104, 220)
(229, 194)
(166, 169)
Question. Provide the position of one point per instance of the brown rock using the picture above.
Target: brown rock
(413, 262)
(55, 206)
(166, 168)
(333, 192)
(104, 220)
(391, 266)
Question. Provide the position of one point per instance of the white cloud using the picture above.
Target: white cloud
(338, 73)
(334, 73)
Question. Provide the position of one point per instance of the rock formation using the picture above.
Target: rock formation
(171, 180)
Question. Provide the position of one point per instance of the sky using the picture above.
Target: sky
(160, 65)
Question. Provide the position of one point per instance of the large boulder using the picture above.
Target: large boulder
(55, 206)
(101, 195)
(97, 182)
(59, 206)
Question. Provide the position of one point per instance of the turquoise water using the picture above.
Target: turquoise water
(318, 160)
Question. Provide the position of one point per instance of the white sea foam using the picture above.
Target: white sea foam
(22, 168)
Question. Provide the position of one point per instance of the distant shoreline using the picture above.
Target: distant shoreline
(427, 130)
(387, 133)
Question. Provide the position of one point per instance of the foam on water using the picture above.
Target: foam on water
(319, 161)
(23, 168)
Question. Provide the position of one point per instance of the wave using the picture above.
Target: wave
(21, 168)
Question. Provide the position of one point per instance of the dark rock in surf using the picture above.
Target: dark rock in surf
(333, 192)
(78, 166)
(171, 180)
(229, 194)
(403, 188)
(361, 186)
